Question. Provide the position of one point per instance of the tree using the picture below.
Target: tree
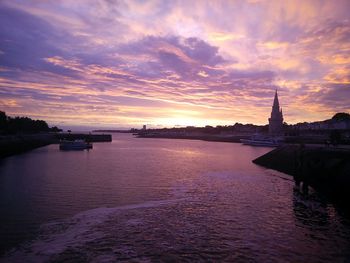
(22, 125)
(341, 116)
(335, 137)
(3, 120)
(55, 129)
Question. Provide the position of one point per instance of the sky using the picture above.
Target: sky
(115, 64)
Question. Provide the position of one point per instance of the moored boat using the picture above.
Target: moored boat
(75, 145)
(259, 140)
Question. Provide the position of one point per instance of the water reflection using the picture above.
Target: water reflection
(319, 221)
(310, 209)
(151, 200)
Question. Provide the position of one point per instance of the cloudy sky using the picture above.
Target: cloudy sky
(126, 63)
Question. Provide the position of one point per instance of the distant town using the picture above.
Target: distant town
(335, 130)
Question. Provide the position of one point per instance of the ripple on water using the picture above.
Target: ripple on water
(212, 218)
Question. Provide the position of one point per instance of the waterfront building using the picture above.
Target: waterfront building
(276, 119)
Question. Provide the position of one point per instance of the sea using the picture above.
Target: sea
(162, 200)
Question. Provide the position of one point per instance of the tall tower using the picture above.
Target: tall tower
(276, 119)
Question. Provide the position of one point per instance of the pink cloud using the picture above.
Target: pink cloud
(122, 63)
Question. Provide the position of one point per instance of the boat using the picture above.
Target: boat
(75, 145)
(259, 140)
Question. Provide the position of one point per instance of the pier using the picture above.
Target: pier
(84, 136)
(15, 144)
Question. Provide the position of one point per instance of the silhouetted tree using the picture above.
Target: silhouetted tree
(23, 125)
(341, 116)
(55, 129)
(335, 137)
(3, 120)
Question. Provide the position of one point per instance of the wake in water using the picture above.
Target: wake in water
(98, 235)
(220, 216)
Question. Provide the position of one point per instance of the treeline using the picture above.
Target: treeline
(10, 125)
(237, 127)
(289, 129)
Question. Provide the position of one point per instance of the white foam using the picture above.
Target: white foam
(75, 232)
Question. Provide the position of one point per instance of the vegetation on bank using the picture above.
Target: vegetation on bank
(341, 116)
(10, 125)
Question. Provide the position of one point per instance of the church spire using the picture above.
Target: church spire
(276, 103)
(276, 119)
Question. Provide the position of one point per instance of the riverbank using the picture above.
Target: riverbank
(234, 137)
(324, 168)
(16, 144)
(177, 200)
(203, 137)
(84, 136)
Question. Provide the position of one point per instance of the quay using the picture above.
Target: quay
(193, 136)
(90, 137)
(15, 144)
(324, 168)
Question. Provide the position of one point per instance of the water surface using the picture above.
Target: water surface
(161, 199)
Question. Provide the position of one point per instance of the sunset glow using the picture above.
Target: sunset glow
(113, 64)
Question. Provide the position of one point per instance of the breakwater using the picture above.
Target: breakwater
(84, 136)
(15, 144)
(324, 168)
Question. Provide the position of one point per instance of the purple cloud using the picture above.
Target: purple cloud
(130, 55)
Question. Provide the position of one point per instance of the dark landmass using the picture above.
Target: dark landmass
(208, 133)
(23, 125)
(335, 130)
(203, 137)
(21, 134)
(236, 137)
(83, 136)
(322, 164)
(227, 129)
(326, 169)
(114, 131)
(15, 144)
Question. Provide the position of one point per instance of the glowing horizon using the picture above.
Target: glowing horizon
(111, 64)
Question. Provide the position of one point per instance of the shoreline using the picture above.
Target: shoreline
(202, 137)
(288, 140)
(326, 169)
(16, 144)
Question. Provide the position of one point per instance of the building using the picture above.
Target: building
(276, 119)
